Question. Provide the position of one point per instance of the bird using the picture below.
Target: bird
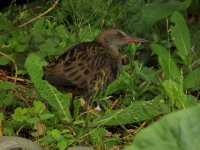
(90, 66)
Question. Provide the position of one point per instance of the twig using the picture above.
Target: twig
(33, 19)
(18, 79)
(15, 77)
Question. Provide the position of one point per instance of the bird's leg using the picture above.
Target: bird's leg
(85, 106)
(85, 109)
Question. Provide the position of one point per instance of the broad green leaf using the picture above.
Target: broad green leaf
(181, 37)
(192, 80)
(142, 17)
(176, 131)
(136, 112)
(59, 101)
(167, 63)
(4, 60)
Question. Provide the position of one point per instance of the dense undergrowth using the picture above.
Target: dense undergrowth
(161, 77)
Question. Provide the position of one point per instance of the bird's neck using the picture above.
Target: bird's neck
(112, 49)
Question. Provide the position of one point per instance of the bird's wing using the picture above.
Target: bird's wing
(81, 66)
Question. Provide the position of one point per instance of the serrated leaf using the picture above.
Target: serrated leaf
(38, 107)
(49, 47)
(166, 61)
(21, 43)
(59, 101)
(181, 37)
(20, 114)
(192, 80)
(176, 131)
(136, 112)
(176, 95)
(56, 134)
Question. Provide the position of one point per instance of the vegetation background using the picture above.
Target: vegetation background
(160, 79)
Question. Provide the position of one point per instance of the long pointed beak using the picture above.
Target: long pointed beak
(132, 39)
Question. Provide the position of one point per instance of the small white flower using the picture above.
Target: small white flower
(98, 108)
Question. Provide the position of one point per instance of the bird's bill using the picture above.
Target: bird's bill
(136, 40)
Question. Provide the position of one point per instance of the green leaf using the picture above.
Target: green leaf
(175, 93)
(167, 63)
(123, 83)
(20, 114)
(77, 106)
(148, 74)
(5, 22)
(38, 107)
(39, 31)
(136, 112)
(49, 47)
(76, 122)
(176, 131)
(181, 37)
(56, 134)
(1, 116)
(21, 43)
(46, 116)
(4, 60)
(62, 145)
(142, 16)
(5, 85)
(96, 136)
(192, 80)
(8, 100)
(33, 120)
(59, 101)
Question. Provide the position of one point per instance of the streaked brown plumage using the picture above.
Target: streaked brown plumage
(90, 66)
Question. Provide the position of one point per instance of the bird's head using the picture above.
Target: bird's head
(114, 39)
